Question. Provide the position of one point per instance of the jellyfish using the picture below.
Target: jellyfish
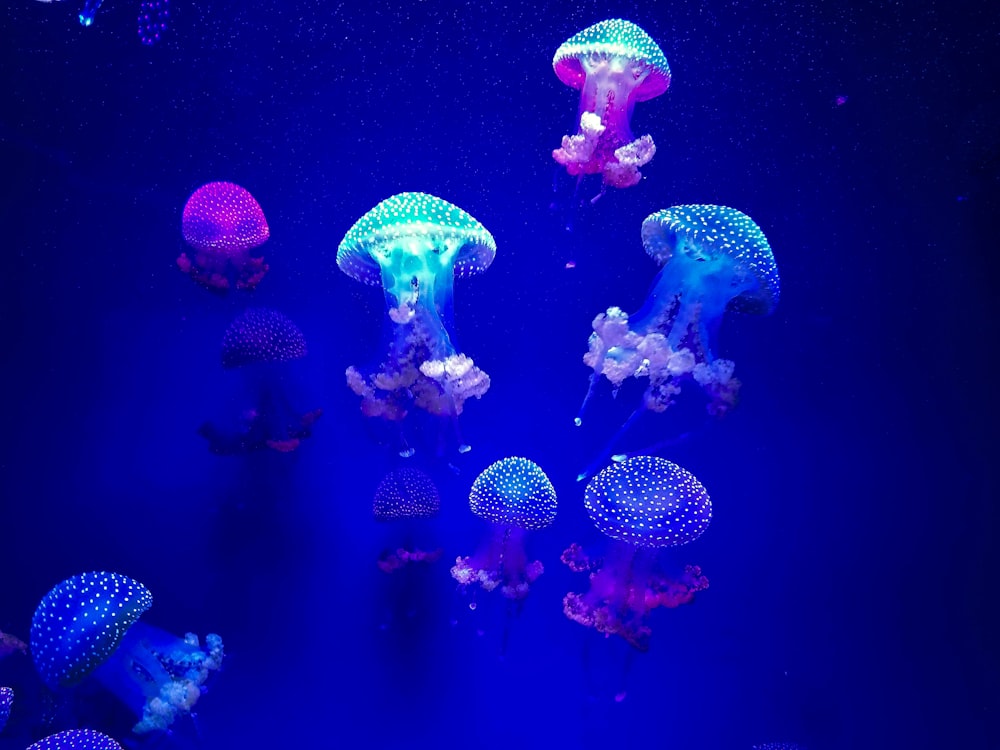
(76, 739)
(714, 259)
(615, 64)
(222, 222)
(261, 344)
(515, 496)
(89, 625)
(153, 17)
(414, 245)
(404, 494)
(645, 504)
(6, 701)
(90, 8)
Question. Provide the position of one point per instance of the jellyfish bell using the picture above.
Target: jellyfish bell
(614, 64)
(76, 739)
(644, 504)
(222, 222)
(714, 260)
(414, 245)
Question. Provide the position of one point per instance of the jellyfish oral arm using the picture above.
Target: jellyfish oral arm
(90, 8)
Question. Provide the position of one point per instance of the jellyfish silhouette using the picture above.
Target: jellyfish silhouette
(614, 64)
(6, 701)
(88, 625)
(10, 645)
(153, 18)
(76, 739)
(715, 259)
(644, 504)
(405, 495)
(260, 344)
(222, 222)
(414, 245)
(515, 496)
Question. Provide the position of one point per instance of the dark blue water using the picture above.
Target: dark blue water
(852, 548)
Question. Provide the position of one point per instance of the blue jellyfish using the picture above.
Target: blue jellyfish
(515, 496)
(714, 259)
(6, 701)
(90, 8)
(404, 494)
(76, 739)
(89, 625)
(645, 504)
(261, 343)
(414, 245)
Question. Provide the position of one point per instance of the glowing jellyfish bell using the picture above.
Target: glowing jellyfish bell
(646, 504)
(714, 260)
(223, 222)
(614, 64)
(414, 245)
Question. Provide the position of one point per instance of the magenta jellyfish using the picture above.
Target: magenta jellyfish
(614, 64)
(153, 18)
(261, 344)
(89, 625)
(515, 496)
(404, 496)
(222, 222)
(414, 245)
(6, 701)
(76, 739)
(645, 504)
(714, 259)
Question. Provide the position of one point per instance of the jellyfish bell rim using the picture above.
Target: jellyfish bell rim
(647, 539)
(661, 229)
(642, 48)
(397, 218)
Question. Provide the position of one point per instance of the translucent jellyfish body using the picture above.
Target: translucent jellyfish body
(414, 245)
(403, 497)
(614, 64)
(714, 259)
(222, 223)
(88, 625)
(645, 504)
(515, 496)
(10, 645)
(261, 344)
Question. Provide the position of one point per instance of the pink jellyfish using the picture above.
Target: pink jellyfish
(615, 64)
(515, 496)
(402, 496)
(646, 504)
(223, 223)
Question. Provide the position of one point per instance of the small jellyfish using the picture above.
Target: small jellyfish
(614, 64)
(515, 496)
(714, 259)
(261, 344)
(76, 739)
(414, 245)
(405, 495)
(152, 22)
(88, 625)
(6, 701)
(645, 504)
(222, 222)
(90, 8)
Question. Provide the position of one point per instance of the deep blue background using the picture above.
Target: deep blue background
(851, 552)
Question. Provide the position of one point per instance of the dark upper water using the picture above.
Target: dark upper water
(852, 549)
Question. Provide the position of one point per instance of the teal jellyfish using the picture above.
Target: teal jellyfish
(90, 8)
(89, 625)
(714, 259)
(645, 504)
(515, 496)
(414, 245)
(614, 64)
